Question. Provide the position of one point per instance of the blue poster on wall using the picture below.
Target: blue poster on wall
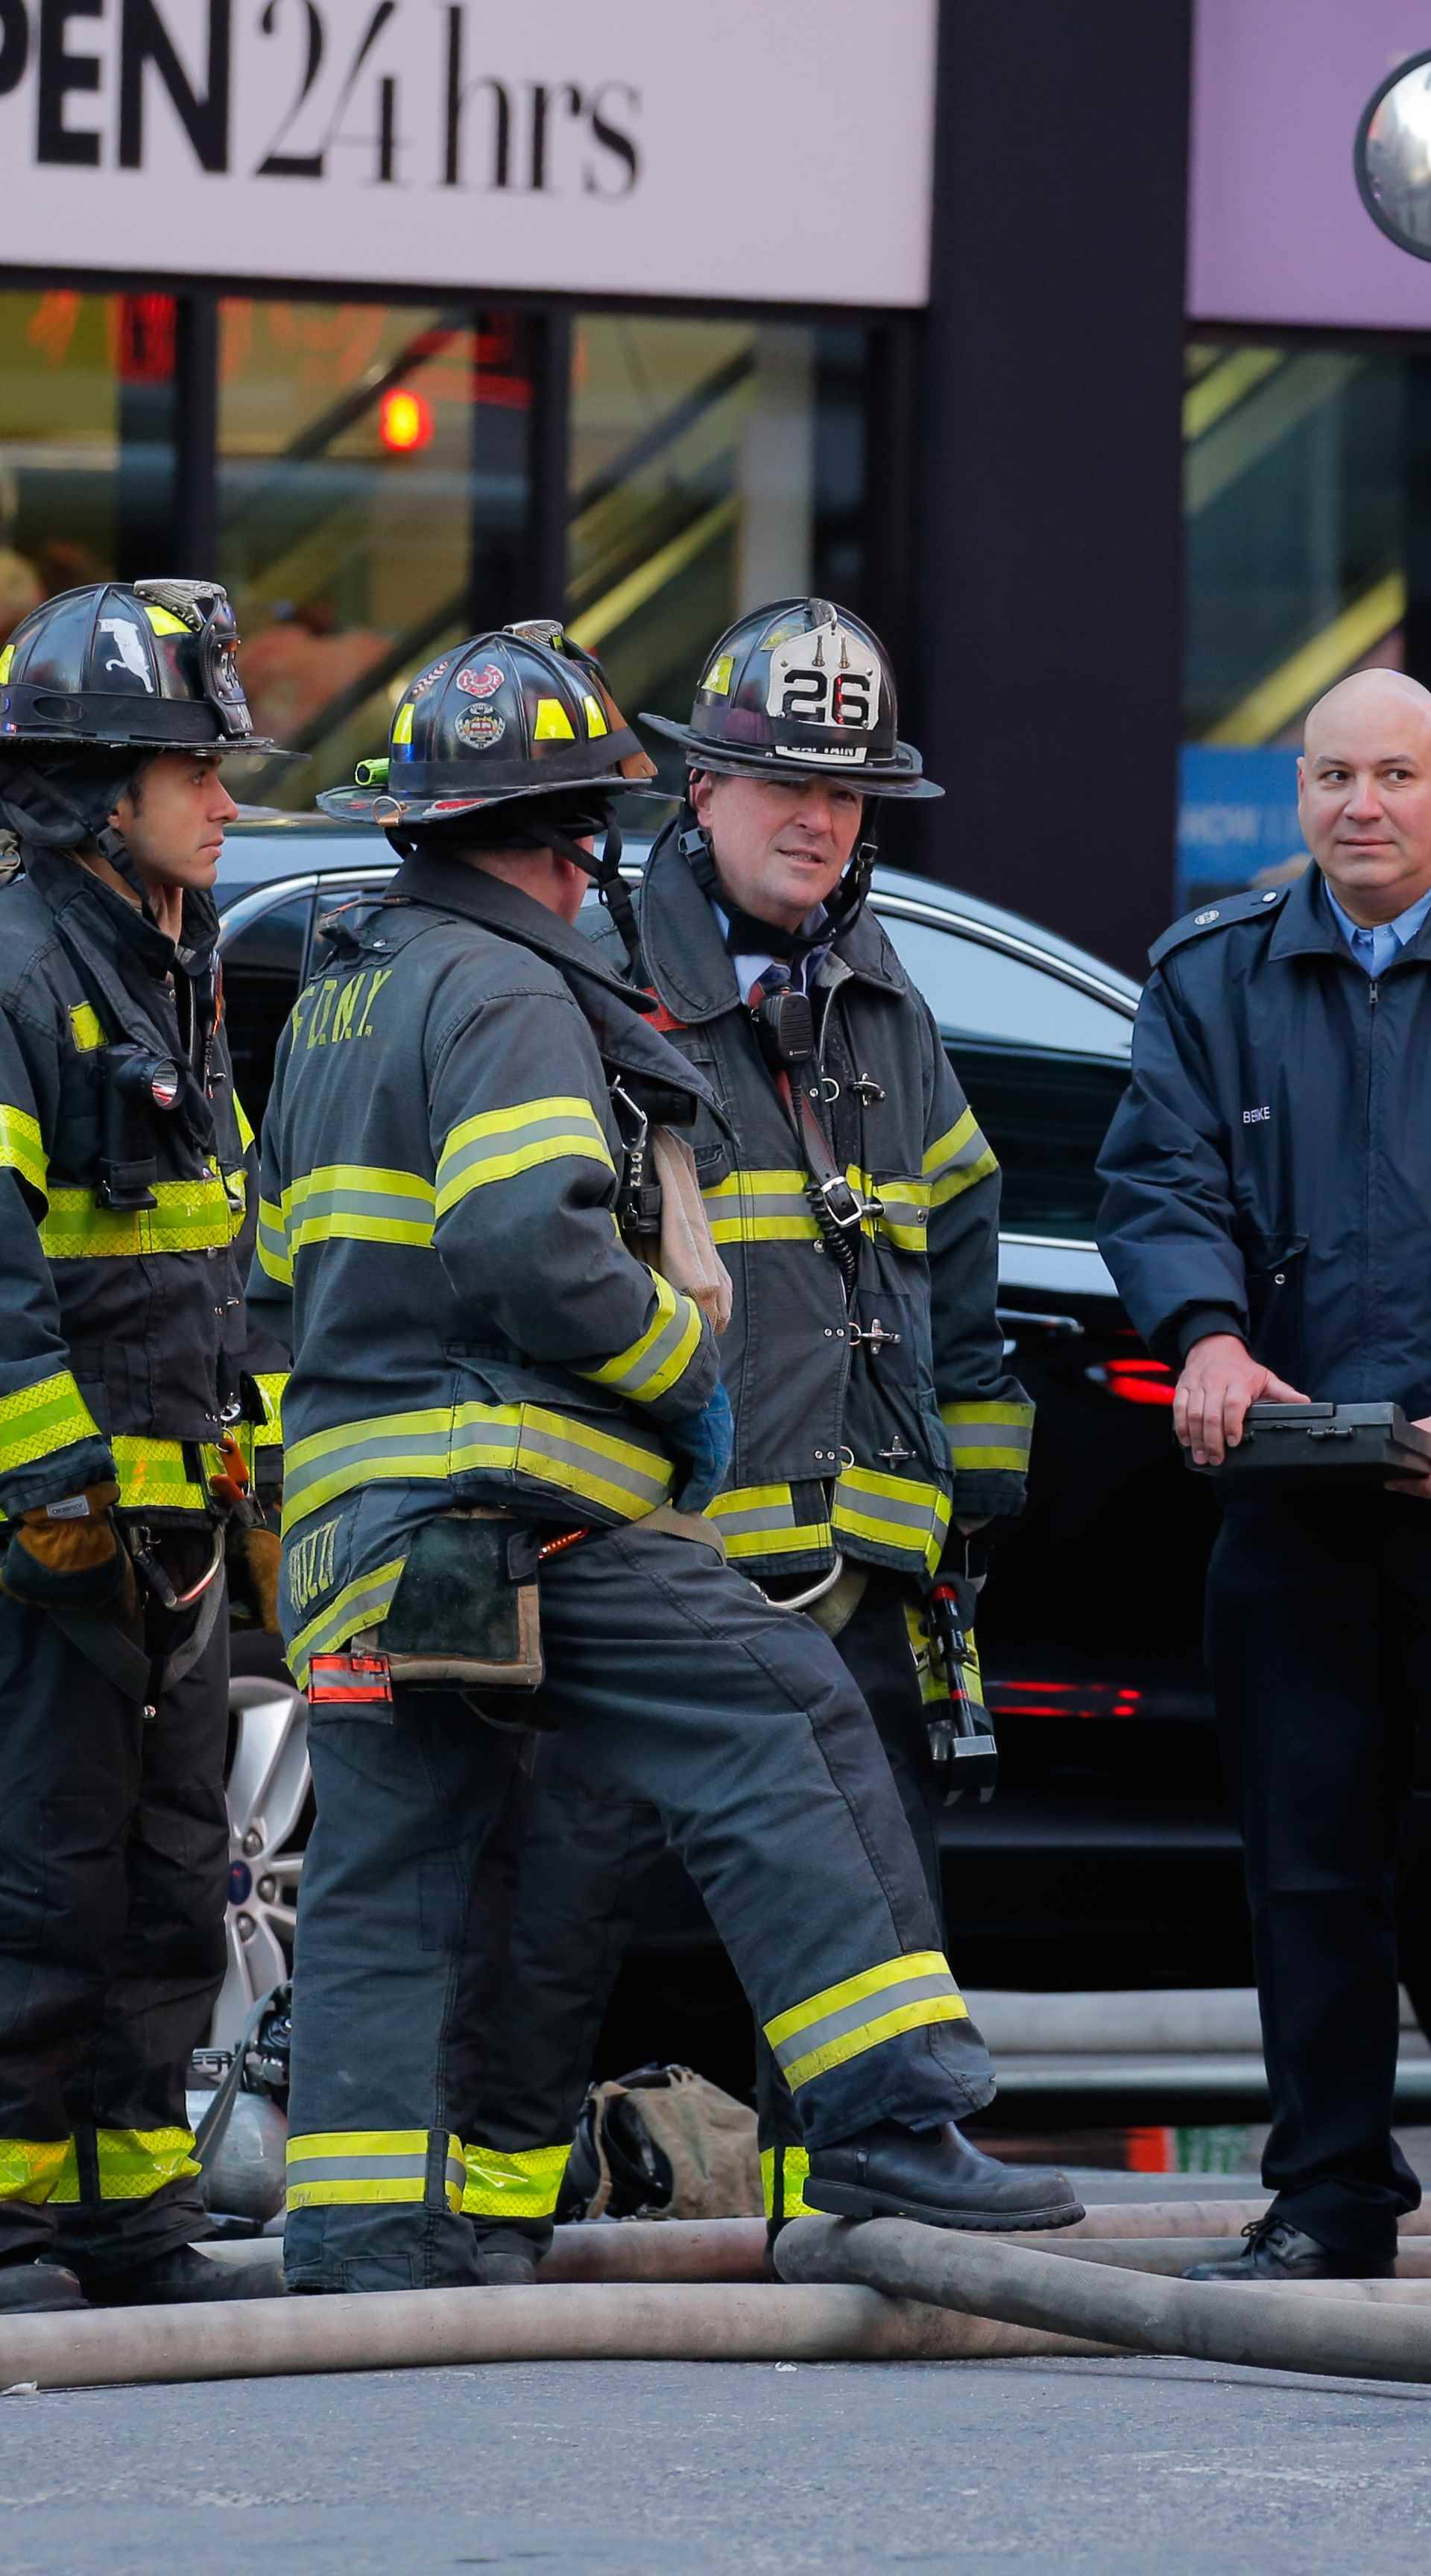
(1237, 821)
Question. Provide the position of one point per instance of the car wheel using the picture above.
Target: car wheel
(268, 1787)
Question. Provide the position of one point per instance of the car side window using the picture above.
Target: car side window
(1044, 1065)
(263, 971)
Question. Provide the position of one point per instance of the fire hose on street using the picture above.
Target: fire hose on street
(884, 2289)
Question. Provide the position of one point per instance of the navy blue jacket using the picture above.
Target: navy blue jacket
(1269, 1168)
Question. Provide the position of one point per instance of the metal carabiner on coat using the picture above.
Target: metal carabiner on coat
(639, 1201)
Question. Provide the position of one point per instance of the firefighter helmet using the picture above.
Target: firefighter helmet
(801, 686)
(147, 667)
(517, 713)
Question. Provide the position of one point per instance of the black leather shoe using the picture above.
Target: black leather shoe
(934, 2174)
(38, 2290)
(182, 2277)
(506, 2258)
(1278, 2251)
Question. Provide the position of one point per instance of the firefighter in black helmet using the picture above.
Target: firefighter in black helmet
(878, 1433)
(128, 1417)
(489, 1389)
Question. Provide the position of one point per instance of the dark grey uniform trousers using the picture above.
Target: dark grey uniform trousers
(1319, 1638)
(582, 1857)
(743, 1730)
(113, 1881)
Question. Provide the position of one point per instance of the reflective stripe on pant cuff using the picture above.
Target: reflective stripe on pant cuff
(335, 2168)
(522, 2185)
(862, 2012)
(132, 2164)
(782, 2175)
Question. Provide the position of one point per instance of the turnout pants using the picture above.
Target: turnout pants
(1319, 1639)
(582, 1855)
(742, 1728)
(113, 1881)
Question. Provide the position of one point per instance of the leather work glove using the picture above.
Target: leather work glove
(67, 1556)
(703, 1442)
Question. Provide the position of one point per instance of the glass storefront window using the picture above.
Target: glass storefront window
(1303, 498)
(86, 442)
(372, 488)
(712, 465)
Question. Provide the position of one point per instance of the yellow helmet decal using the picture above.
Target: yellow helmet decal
(553, 724)
(6, 658)
(162, 622)
(595, 721)
(402, 723)
(717, 679)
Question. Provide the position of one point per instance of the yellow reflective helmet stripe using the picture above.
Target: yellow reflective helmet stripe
(37, 1420)
(553, 724)
(650, 1366)
(502, 1143)
(761, 1520)
(402, 724)
(357, 1203)
(863, 2011)
(985, 1435)
(340, 2168)
(761, 1207)
(596, 723)
(163, 621)
(22, 1147)
(524, 2184)
(6, 660)
(900, 1513)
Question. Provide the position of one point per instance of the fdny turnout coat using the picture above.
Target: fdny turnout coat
(438, 1239)
(123, 1346)
(1269, 1170)
(863, 1422)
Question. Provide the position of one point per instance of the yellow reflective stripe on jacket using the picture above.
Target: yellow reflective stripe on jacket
(21, 1147)
(761, 1207)
(982, 1434)
(362, 1604)
(86, 1028)
(357, 1203)
(760, 1520)
(190, 1216)
(271, 1244)
(438, 1443)
(241, 1121)
(268, 1434)
(782, 2171)
(957, 1159)
(524, 2184)
(133, 2164)
(334, 2168)
(36, 1420)
(651, 1366)
(502, 1143)
(31, 2168)
(863, 2011)
(155, 1475)
(892, 1511)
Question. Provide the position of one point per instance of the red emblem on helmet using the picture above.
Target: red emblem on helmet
(483, 683)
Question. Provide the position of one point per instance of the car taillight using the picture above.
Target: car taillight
(1062, 1699)
(1135, 1381)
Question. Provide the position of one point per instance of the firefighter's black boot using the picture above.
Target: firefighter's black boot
(506, 2254)
(181, 2277)
(31, 2289)
(934, 2175)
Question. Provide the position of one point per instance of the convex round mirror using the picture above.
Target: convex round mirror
(1393, 156)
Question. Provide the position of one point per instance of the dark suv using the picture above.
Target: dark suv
(1107, 1856)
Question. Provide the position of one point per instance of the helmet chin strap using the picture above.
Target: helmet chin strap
(747, 935)
(604, 869)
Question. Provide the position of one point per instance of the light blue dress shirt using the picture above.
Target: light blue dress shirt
(1375, 949)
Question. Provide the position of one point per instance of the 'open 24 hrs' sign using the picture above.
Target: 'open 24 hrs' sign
(434, 143)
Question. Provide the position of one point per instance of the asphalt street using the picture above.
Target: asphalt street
(1122, 2467)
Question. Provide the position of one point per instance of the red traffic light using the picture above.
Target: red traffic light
(404, 421)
